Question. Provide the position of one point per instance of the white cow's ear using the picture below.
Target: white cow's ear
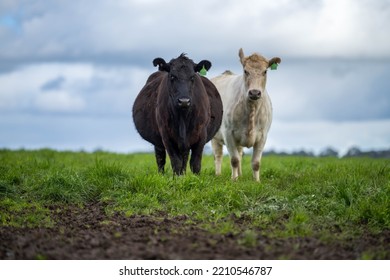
(241, 56)
(274, 60)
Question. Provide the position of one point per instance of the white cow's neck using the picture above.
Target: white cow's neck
(252, 110)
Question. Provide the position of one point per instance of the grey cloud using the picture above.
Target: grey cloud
(53, 84)
(331, 90)
(98, 54)
(136, 31)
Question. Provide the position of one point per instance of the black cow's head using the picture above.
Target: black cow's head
(182, 74)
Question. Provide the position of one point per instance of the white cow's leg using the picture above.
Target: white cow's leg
(256, 159)
(235, 164)
(240, 152)
(235, 157)
(218, 154)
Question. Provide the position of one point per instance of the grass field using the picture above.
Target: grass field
(298, 197)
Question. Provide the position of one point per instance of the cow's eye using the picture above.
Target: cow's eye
(192, 78)
(265, 72)
(172, 77)
(246, 73)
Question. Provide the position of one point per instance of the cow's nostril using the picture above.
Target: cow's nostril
(184, 102)
(254, 94)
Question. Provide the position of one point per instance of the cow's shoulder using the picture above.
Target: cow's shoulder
(156, 77)
(209, 86)
(152, 85)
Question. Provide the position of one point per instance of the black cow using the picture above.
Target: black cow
(177, 111)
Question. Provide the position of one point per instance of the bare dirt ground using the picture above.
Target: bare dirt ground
(88, 233)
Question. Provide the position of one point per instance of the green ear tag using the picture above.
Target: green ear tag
(274, 66)
(203, 71)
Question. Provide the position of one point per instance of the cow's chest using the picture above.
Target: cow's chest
(186, 130)
(245, 128)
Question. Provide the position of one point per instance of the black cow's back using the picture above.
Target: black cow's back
(144, 109)
(216, 108)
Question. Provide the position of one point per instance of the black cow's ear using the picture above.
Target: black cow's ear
(162, 65)
(204, 63)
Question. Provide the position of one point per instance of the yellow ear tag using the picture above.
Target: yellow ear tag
(203, 71)
(274, 66)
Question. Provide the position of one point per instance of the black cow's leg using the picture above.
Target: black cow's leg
(176, 162)
(179, 162)
(174, 156)
(160, 158)
(184, 161)
(196, 157)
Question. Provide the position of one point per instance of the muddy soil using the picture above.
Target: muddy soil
(88, 233)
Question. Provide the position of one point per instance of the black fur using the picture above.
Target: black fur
(161, 119)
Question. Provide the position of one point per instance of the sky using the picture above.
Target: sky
(70, 70)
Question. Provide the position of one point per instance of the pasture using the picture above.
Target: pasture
(77, 205)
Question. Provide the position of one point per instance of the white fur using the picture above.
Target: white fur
(245, 122)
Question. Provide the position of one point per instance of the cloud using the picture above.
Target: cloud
(313, 101)
(31, 88)
(331, 90)
(68, 63)
(343, 28)
(137, 31)
(53, 84)
(81, 88)
(59, 101)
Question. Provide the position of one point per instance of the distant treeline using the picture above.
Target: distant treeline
(331, 152)
(327, 152)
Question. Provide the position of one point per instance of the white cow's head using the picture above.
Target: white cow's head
(255, 73)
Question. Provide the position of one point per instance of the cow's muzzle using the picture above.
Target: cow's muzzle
(254, 94)
(184, 102)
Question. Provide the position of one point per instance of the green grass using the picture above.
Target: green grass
(296, 197)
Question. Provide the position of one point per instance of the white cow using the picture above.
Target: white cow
(247, 113)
